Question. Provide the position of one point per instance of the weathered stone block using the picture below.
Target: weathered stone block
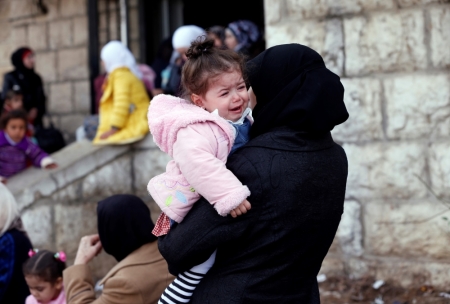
(440, 36)
(72, 222)
(20, 9)
(80, 30)
(439, 162)
(73, 64)
(148, 164)
(38, 223)
(61, 97)
(81, 158)
(385, 170)
(146, 143)
(114, 178)
(272, 11)
(323, 36)
(82, 96)
(350, 232)
(406, 273)
(70, 123)
(363, 101)
(321, 8)
(19, 36)
(404, 230)
(407, 3)
(415, 108)
(385, 42)
(37, 36)
(68, 194)
(70, 8)
(46, 66)
(60, 34)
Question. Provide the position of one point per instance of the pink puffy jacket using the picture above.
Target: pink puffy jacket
(199, 143)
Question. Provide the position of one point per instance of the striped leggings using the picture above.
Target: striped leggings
(182, 288)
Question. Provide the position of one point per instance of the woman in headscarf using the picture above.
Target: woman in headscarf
(30, 84)
(124, 103)
(297, 177)
(125, 232)
(14, 247)
(181, 41)
(243, 36)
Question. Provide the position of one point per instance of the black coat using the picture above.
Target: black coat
(32, 88)
(273, 253)
(17, 290)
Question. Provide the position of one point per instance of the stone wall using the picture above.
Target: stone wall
(58, 206)
(60, 40)
(394, 60)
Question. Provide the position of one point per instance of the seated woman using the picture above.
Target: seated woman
(124, 103)
(14, 247)
(125, 232)
(297, 177)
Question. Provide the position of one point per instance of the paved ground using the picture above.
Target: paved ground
(341, 290)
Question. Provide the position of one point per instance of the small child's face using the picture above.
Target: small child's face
(227, 94)
(16, 129)
(43, 291)
(14, 103)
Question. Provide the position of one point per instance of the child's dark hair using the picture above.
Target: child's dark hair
(14, 114)
(205, 62)
(44, 265)
(10, 94)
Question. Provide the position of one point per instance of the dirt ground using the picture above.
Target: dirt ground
(342, 290)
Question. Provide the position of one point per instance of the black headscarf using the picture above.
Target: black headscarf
(30, 84)
(124, 225)
(17, 59)
(293, 88)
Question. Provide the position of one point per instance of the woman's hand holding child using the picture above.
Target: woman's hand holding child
(241, 209)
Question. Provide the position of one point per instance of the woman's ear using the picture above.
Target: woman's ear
(197, 100)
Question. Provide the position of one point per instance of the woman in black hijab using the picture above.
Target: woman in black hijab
(30, 84)
(297, 177)
(125, 232)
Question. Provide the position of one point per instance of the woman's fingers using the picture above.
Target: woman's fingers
(233, 213)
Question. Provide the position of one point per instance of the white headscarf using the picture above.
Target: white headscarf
(115, 55)
(8, 209)
(184, 35)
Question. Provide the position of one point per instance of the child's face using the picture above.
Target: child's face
(227, 94)
(16, 129)
(43, 291)
(14, 103)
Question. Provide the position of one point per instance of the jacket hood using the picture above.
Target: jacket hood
(168, 114)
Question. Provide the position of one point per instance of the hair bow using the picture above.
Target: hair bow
(60, 256)
(32, 252)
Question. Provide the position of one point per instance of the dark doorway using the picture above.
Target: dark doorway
(206, 13)
(160, 18)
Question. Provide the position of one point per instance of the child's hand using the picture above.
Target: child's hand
(51, 166)
(241, 209)
(108, 133)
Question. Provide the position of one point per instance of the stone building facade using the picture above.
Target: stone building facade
(60, 39)
(393, 57)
